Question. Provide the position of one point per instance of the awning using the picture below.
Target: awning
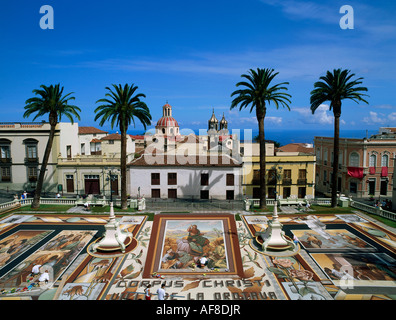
(355, 172)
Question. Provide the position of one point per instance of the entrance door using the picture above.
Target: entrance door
(371, 187)
(69, 184)
(92, 185)
(114, 186)
(384, 187)
(302, 192)
(256, 193)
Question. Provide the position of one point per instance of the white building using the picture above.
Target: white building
(167, 176)
(22, 146)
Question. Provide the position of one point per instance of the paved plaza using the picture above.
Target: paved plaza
(340, 257)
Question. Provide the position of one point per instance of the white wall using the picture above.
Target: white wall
(68, 137)
(188, 181)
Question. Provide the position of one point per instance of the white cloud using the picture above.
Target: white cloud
(322, 115)
(375, 118)
(392, 116)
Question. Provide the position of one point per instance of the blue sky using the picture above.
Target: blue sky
(192, 54)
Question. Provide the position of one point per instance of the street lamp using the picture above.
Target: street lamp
(112, 177)
(76, 172)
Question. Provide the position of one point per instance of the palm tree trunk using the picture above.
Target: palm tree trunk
(124, 200)
(263, 197)
(40, 182)
(336, 152)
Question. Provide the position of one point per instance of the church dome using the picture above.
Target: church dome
(213, 119)
(167, 121)
(223, 120)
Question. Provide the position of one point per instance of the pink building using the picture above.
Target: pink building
(366, 166)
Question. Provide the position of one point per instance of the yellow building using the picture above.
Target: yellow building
(295, 172)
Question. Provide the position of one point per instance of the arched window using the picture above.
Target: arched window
(354, 159)
(5, 150)
(384, 160)
(373, 160)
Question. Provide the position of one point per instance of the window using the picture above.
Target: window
(68, 152)
(230, 194)
(111, 141)
(230, 179)
(32, 174)
(5, 153)
(82, 148)
(354, 159)
(155, 178)
(31, 151)
(384, 160)
(325, 156)
(91, 176)
(286, 177)
(318, 154)
(96, 148)
(204, 179)
(172, 178)
(271, 177)
(205, 194)
(172, 193)
(302, 176)
(256, 176)
(5, 174)
(155, 193)
(373, 160)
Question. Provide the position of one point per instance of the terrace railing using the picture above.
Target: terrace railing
(373, 210)
(139, 204)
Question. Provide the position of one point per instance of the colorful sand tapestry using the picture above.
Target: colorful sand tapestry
(182, 243)
(19, 242)
(55, 256)
(336, 239)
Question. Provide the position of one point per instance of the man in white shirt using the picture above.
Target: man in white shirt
(44, 277)
(36, 269)
(161, 292)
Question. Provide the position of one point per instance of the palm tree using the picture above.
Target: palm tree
(257, 93)
(335, 87)
(51, 101)
(120, 108)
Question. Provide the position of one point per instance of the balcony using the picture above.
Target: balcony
(286, 182)
(32, 160)
(271, 182)
(301, 182)
(5, 160)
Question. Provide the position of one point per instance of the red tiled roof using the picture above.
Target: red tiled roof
(296, 147)
(89, 130)
(95, 140)
(112, 136)
(137, 137)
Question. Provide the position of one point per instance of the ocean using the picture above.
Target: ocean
(285, 137)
